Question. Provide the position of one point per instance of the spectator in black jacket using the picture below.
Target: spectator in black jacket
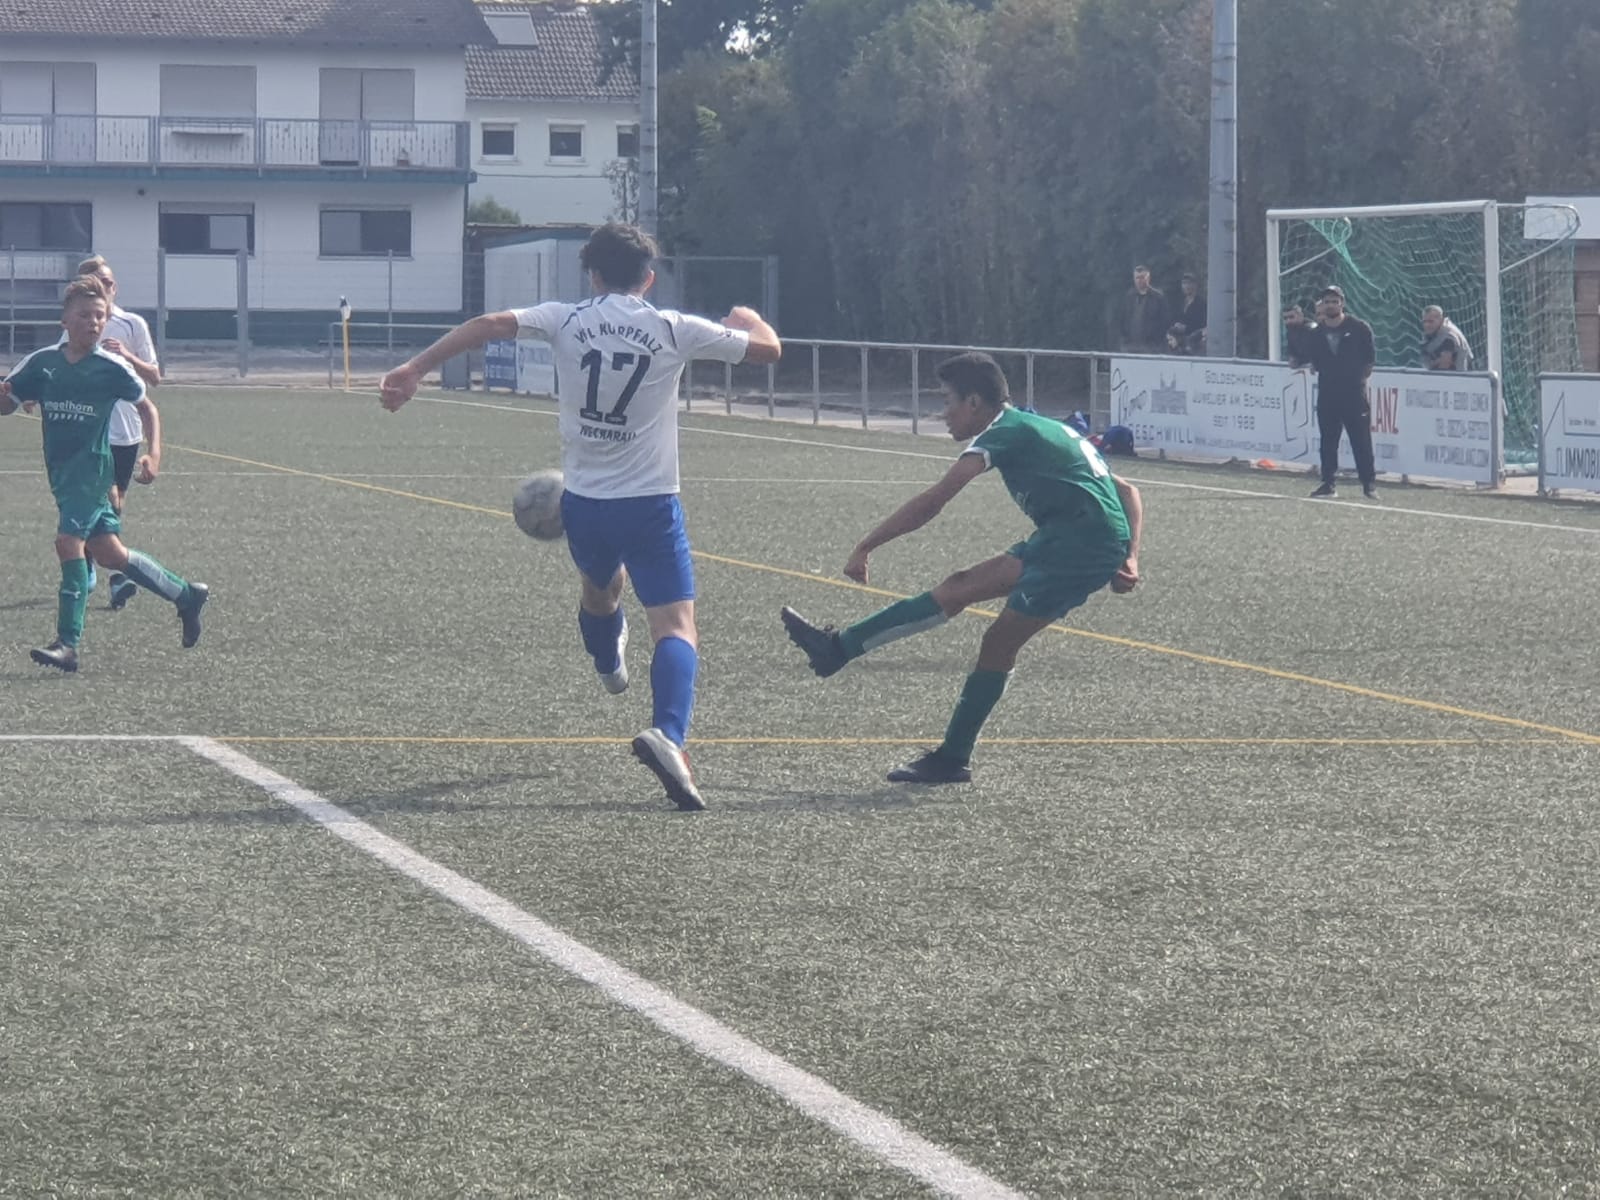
(1191, 323)
(1296, 345)
(1139, 323)
(1343, 354)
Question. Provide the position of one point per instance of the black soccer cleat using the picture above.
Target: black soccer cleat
(932, 767)
(122, 590)
(821, 643)
(58, 655)
(1369, 490)
(1326, 492)
(189, 605)
(671, 766)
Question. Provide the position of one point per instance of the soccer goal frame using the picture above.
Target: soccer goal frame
(1490, 211)
(1503, 272)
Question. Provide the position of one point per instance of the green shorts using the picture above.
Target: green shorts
(1061, 568)
(86, 518)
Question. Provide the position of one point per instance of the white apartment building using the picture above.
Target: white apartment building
(547, 119)
(328, 139)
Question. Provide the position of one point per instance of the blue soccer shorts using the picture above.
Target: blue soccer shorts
(642, 533)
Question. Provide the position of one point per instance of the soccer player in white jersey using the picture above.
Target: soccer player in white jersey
(618, 362)
(127, 336)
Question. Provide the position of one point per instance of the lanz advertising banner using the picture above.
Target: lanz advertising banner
(1569, 424)
(1427, 424)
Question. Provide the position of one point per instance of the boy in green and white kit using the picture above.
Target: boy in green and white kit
(1087, 537)
(77, 385)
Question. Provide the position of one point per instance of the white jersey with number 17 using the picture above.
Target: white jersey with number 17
(618, 361)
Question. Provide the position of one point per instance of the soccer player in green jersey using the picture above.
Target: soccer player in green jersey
(77, 384)
(1087, 537)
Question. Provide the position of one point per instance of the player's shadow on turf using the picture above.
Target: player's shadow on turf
(433, 797)
(884, 799)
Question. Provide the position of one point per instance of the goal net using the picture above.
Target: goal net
(1503, 273)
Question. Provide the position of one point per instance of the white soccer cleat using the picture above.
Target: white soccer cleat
(616, 682)
(671, 766)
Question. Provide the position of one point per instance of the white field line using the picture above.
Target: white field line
(1362, 508)
(879, 1134)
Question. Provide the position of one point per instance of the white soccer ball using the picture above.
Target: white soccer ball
(536, 505)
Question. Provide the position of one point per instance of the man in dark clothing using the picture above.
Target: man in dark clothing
(1191, 323)
(1343, 354)
(1297, 345)
(1139, 324)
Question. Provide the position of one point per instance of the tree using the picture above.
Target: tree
(488, 212)
(623, 176)
(744, 27)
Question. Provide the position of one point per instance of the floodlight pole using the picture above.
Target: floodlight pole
(1222, 241)
(648, 212)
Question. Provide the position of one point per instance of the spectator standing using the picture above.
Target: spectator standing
(1343, 356)
(1140, 322)
(1300, 331)
(1444, 346)
(1191, 323)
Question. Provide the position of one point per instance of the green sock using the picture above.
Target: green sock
(153, 577)
(72, 600)
(900, 619)
(979, 695)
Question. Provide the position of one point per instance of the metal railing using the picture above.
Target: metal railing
(886, 379)
(241, 143)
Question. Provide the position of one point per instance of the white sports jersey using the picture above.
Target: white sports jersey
(618, 361)
(129, 329)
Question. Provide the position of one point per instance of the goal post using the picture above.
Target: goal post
(1503, 273)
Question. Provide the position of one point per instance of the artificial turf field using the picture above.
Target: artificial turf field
(1278, 876)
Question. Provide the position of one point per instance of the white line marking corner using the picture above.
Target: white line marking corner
(876, 1132)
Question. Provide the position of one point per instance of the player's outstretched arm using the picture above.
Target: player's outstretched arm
(764, 345)
(915, 512)
(400, 384)
(1127, 576)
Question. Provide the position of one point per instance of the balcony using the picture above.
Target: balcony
(225, 147)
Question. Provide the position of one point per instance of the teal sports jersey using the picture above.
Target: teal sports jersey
(76, 400)
(1051, 471)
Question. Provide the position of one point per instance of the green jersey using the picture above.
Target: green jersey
(1051, 471)
(76, 400)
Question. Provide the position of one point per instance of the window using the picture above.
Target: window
(627, 141)
(349, 232)
(512, 28)
(208, 228)
(188, 91)
(566, 141)
(47, 226)
(367, 94)
(499, 141)
(38, 89)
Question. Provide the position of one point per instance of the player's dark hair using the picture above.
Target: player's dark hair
(84, 285)
(975, 374)
(619, 254)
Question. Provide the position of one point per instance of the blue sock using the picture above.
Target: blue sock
(672, 673)
(600, 636)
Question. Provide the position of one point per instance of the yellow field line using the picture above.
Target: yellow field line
(355, 483)
(401, 739)
(1212, 660)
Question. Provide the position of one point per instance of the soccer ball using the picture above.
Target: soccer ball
(536, 505)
